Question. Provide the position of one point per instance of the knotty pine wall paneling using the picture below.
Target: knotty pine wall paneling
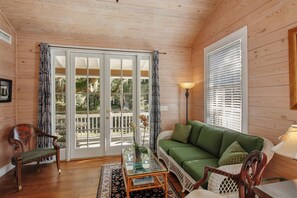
(7, 71)
(175, 67)
(268, 22)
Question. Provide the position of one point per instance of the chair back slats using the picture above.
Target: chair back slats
(251, 173)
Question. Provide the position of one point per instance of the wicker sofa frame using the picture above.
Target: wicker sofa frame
(216, 183)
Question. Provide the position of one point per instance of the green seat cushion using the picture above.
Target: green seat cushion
(188, 153)
(181, 133)
(234, 154)
(247, 142)
(35, 154)
(210, 139)
(195, 168)
(168, 144)
(195, 131)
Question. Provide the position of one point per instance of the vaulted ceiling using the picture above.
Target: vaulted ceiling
(166, 22)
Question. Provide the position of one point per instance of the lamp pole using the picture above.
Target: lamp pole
(187, 98)
(187, 86)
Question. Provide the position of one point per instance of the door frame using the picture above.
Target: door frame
(66, 51)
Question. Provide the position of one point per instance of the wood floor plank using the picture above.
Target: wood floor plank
(79, 179)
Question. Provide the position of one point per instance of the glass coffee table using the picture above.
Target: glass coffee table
(141, 173)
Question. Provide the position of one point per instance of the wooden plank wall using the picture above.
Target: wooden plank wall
(268, 22)
(175, 67)
(7, 110)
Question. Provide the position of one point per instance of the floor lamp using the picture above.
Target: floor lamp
(187, 86)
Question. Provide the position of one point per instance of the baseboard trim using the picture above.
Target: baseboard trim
(5, 169)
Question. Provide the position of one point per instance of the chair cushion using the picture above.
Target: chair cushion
(33, 155)
(210, 139)
(181, 133)
(247, 142)
(203, 193)
(195, 131)
(168, 144)
(188, 153)
(195, 168)
(234, 154)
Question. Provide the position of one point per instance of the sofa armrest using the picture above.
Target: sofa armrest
(164, 135)
(221, 184)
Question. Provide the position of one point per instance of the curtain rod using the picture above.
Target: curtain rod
(105, 49)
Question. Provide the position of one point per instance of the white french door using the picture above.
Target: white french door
(121, 105)
(87, 107)
(97, 95)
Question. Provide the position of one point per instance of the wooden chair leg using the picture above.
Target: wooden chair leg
(19, 175)
(58, 161)
(38, 166)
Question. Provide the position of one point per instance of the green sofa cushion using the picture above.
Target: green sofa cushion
(181, 133)
(195, 131)
(229, 137)
(168, 144)
(195, 168)
(188, 153)
(250, 142)
(247, 142)
(210, 139)
(234, 154)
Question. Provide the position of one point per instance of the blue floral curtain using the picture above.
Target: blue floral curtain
(155, 114)
(44, 121)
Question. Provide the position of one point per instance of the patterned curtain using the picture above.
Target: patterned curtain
(44, 121)
(155, 114)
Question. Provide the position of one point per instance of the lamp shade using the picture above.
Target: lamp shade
(187, 85)
(288, 145)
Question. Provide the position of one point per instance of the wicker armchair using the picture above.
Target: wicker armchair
(24, 138)
(250, 175)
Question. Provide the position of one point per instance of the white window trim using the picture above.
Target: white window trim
(242, 35)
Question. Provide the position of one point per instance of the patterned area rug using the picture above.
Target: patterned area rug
(112, 185)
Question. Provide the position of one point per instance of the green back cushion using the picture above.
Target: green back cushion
(181, 132)
(247, 142)
(210, 139)
(195, 131)
(234, 154)
(250, 142)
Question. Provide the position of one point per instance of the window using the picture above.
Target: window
(226, 86)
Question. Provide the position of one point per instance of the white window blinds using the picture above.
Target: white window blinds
(224, 86)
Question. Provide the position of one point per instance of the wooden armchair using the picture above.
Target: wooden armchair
(250, 175)
(24, 138)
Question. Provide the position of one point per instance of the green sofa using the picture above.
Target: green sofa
(205, 146)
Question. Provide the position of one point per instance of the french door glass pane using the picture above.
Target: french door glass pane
(144, 97)
(60, 99)
(87, 102)
(121, 103)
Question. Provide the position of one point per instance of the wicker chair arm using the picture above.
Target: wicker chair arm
(267, 149)
(219, 183)
(216, 171)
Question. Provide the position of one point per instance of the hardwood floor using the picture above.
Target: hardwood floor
(78, 179)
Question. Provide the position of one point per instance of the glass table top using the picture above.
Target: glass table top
(147, 163)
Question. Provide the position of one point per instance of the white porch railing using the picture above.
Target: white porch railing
(88, 129)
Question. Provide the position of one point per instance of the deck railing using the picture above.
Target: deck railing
(88, 127)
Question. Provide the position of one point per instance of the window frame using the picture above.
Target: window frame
(240, 34)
